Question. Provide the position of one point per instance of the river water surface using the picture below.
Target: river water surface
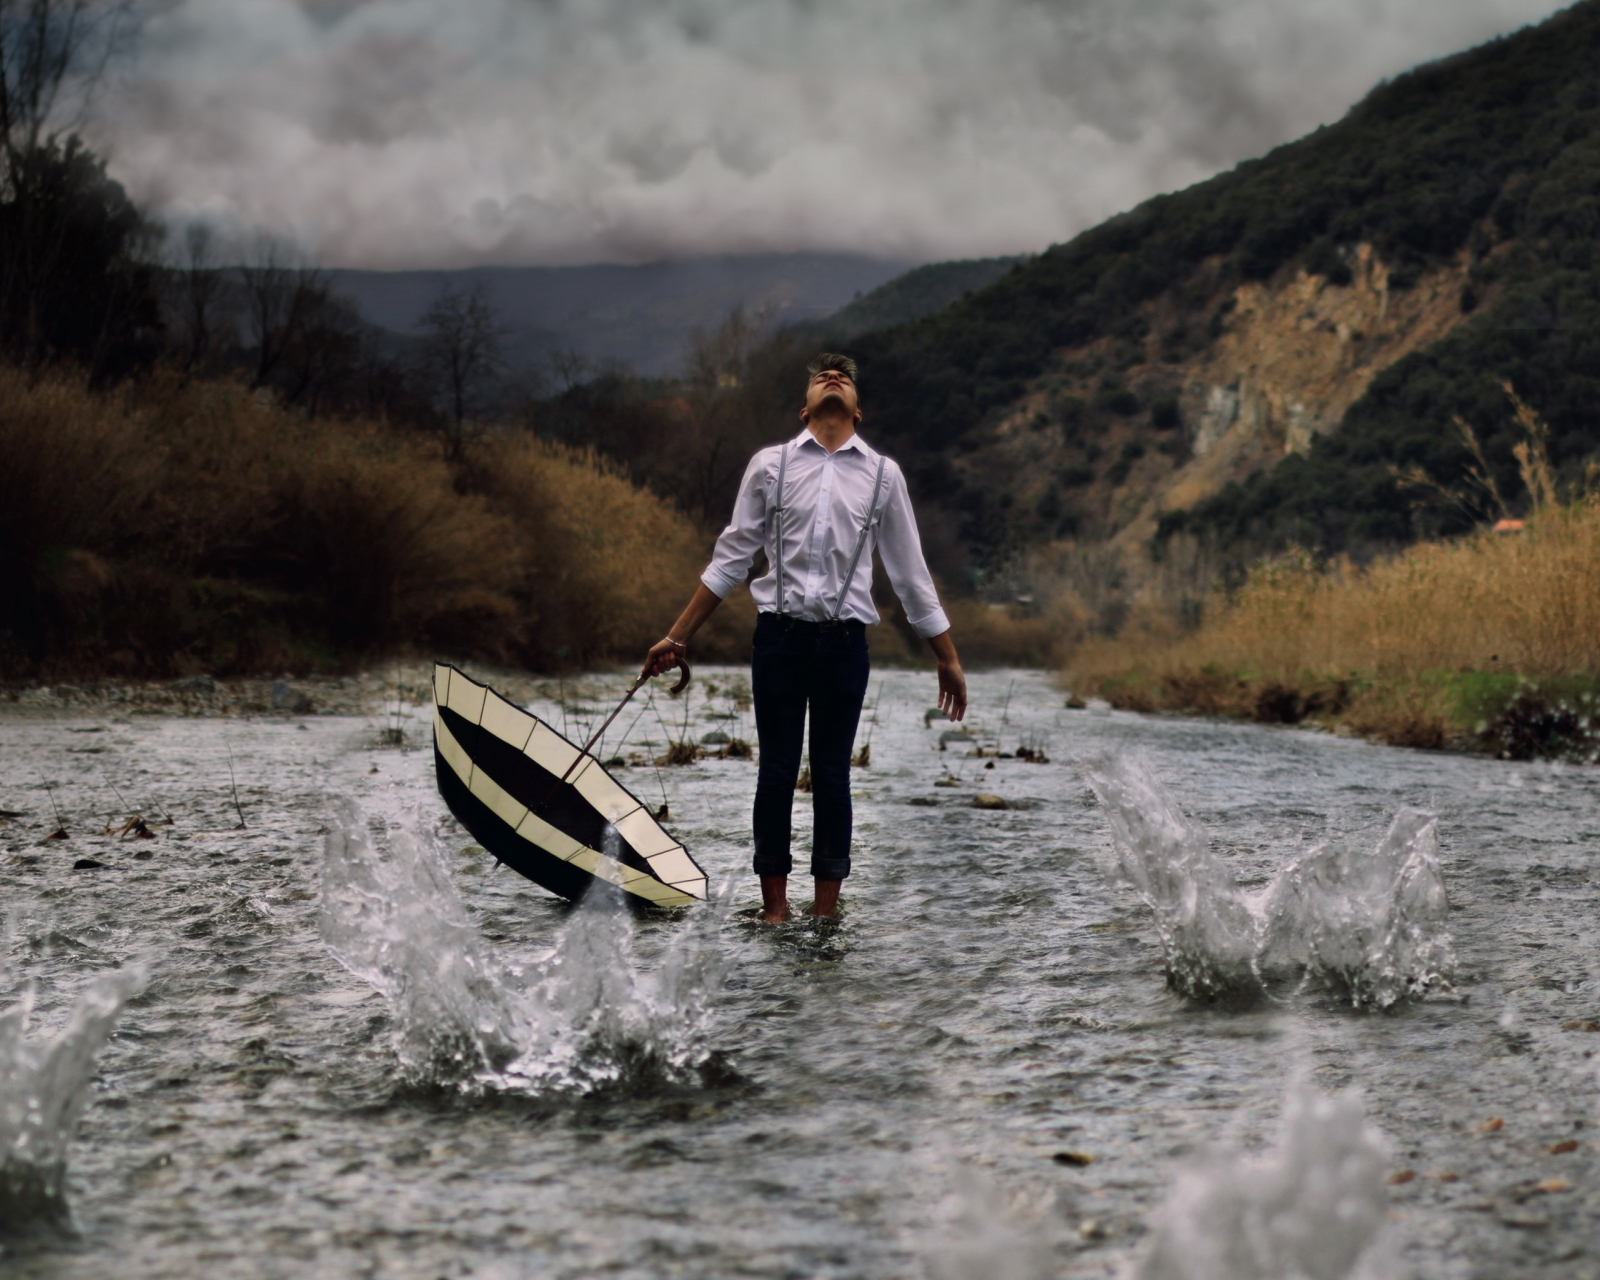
(980, 1072)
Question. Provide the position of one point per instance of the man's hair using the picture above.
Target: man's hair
(828, 360)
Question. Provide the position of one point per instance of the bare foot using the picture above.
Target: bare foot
(775, 900)
(826, 907)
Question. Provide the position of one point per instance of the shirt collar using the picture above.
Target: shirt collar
(854, 442)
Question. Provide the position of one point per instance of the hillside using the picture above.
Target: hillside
(919, 292)
(642, 315)
(1251, 360)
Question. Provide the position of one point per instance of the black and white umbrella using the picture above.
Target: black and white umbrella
(545, 807)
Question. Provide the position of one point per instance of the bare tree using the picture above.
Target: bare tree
(202, 299)
(281, 298)
(461, 348)
(726, 415)
(571, 368)
(719, 361)
(53, 56)
(325, 355)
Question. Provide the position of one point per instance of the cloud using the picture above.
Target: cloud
(389, 133)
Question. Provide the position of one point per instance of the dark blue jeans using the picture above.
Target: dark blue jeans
(824, 666)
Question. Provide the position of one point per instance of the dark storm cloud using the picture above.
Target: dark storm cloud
(438, 132)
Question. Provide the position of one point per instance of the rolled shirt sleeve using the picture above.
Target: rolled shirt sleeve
(901, 548)
(745, 534)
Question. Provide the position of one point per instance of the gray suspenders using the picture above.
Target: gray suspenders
(777, 523)
(874, 514)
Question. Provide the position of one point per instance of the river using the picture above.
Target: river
(980, 1072)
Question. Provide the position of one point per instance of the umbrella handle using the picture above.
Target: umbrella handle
(683, 683)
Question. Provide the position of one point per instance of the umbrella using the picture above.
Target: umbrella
(544, 806)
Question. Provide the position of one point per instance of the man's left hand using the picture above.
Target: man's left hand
(952, 690)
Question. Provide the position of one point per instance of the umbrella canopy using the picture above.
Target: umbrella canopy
(543, 806)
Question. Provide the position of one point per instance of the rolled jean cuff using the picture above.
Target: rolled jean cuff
(772, 864)
(830, 869)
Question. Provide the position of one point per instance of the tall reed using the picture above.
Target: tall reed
(1528, 601)
(1522, 604)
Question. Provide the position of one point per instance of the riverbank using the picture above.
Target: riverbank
(1490, 643)
(400, 685)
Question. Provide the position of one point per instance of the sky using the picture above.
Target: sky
(447, 133)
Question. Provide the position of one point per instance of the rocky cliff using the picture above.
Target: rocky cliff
(1255, 359)
(1133, 429)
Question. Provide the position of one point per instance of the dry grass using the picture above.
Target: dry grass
(1379, 647)
(1006, 636)
(177, 527)
(610, 565)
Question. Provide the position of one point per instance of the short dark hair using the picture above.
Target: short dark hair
(828, 360)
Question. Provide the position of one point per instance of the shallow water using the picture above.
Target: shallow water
(993, 1009)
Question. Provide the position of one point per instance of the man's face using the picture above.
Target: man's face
(831, 390)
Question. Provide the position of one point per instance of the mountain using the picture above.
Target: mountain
(1255, 359)
(641, 315)
(919, 292)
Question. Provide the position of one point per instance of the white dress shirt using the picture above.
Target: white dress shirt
(826, 498)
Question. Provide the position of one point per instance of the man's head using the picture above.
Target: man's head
(831, 388)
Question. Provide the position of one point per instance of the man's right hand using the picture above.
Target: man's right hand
(663, 656)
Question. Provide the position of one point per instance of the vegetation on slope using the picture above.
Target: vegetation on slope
(1494, 153)
(1491, 640)
(919, 292)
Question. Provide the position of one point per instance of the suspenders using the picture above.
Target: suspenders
(777, 523)
(874, 515)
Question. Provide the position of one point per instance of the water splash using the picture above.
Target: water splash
(590, 1019)
(44, 1083)
(1312, 1209)
(1209, 933)
(1367, 925)
(984, 1237)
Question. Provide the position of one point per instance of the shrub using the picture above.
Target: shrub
(611, 566)
(176, 526)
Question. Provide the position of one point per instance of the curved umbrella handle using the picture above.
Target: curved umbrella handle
(683, 680)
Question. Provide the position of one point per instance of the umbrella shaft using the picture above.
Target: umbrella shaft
(595, 737)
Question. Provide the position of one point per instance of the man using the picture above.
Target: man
(819, 505)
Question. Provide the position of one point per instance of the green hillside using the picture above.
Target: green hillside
(919, 292)
(1494, 153)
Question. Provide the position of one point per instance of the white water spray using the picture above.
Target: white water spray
(1208, 932)
(1369, 925)
(1312, 1209)
(44, 1084)
(590, 1019)
(983, 1237)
